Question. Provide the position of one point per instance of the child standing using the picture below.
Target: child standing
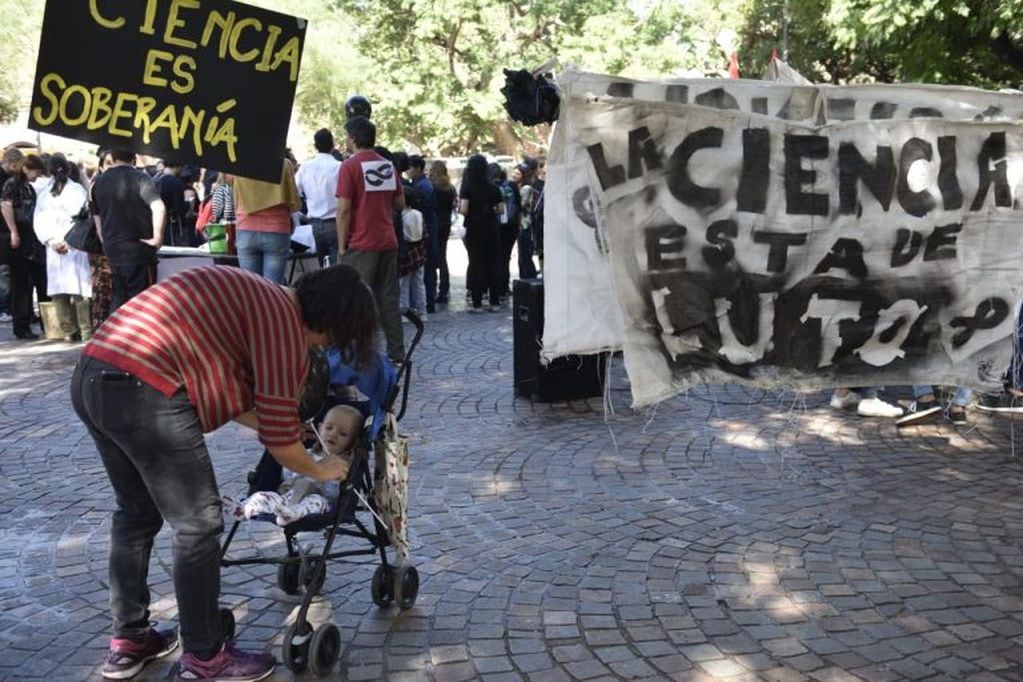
(410, 263)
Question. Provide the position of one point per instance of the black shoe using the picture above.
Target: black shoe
(27, 336)
(918, 413)
(958, 417)
(443, 298)
(430, 310)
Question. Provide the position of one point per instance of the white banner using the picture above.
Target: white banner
(582, 315)
(777, 253)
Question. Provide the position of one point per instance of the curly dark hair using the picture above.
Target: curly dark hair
(335, 301)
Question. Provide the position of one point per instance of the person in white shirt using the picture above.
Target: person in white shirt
(317, 183)
(68, 275)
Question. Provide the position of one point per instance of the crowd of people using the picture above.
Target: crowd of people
(395, 230)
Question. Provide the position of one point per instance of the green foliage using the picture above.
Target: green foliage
(437, 65)
(975, 42)
(19, 34)
(965, 42)
(433, 68)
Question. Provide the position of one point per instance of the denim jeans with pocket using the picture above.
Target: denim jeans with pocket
(264, 253)
(153, 449)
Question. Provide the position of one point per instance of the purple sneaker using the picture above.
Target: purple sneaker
(229, 665)
(128, 657)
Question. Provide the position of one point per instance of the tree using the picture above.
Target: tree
(970, 42)
(437, 65)
(19, 34)
(966, 42)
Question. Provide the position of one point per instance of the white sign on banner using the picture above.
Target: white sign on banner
(582, 314)
(779, 253)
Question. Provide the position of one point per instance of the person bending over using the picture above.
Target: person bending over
(181, 359)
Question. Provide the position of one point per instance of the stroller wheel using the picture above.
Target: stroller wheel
(382, 587)
(227, 624)
(310, 575)
(287, 577)
(406, 587)
(324, 649)
(296, 645)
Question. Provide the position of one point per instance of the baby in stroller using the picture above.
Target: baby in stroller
(299, 496)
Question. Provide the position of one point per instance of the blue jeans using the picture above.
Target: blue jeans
(325, 234)
(264, 253)
(962, 396)
(153, 449)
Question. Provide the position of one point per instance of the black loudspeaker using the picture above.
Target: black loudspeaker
(567, 378)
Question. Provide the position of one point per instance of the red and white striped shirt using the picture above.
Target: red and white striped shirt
(232, 339)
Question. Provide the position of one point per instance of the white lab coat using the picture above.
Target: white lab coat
(67, 273)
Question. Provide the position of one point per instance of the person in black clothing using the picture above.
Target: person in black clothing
(481, 202)
(130, 217)
(444, 196)
(427, 206)
(20, 246)
(509, 225)
(172, 192)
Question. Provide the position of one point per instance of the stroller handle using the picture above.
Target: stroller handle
(404, 377)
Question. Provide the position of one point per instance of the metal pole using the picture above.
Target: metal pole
(785, 32)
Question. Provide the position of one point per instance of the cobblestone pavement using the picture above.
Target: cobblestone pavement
(731, 534)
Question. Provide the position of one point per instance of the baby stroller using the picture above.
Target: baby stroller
(355, 513)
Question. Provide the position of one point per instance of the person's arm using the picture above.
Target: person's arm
(499, 208)
(463, 206)
(343, 216)
(296, 458)
(159, 219)
(7, 208)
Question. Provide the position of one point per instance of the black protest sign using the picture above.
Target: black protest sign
(210, 82)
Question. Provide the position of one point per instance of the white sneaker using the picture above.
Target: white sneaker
(845, 402)
(875, 407)
(5, 317)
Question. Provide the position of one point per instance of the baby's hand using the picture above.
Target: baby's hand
(332, 468)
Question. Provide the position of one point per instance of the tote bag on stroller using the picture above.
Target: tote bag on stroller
(390, 483)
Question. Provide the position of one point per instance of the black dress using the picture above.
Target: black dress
(482, 240)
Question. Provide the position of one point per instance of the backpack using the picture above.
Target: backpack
(412, 225)
(511, 202)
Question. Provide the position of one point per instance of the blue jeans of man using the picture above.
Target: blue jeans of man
(264, 253)
(325, 234)
(961, 398)
(153, 449)
(430, 270)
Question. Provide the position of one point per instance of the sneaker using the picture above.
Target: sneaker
(229, 665)
(1006, 402)
(875, 407)
(845, 402)
(127, 657)
(920, 412)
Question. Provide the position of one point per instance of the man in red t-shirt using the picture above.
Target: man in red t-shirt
(183, 358)
(368, 193)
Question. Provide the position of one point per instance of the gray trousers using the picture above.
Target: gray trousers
(379, 269)
(153, 449)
